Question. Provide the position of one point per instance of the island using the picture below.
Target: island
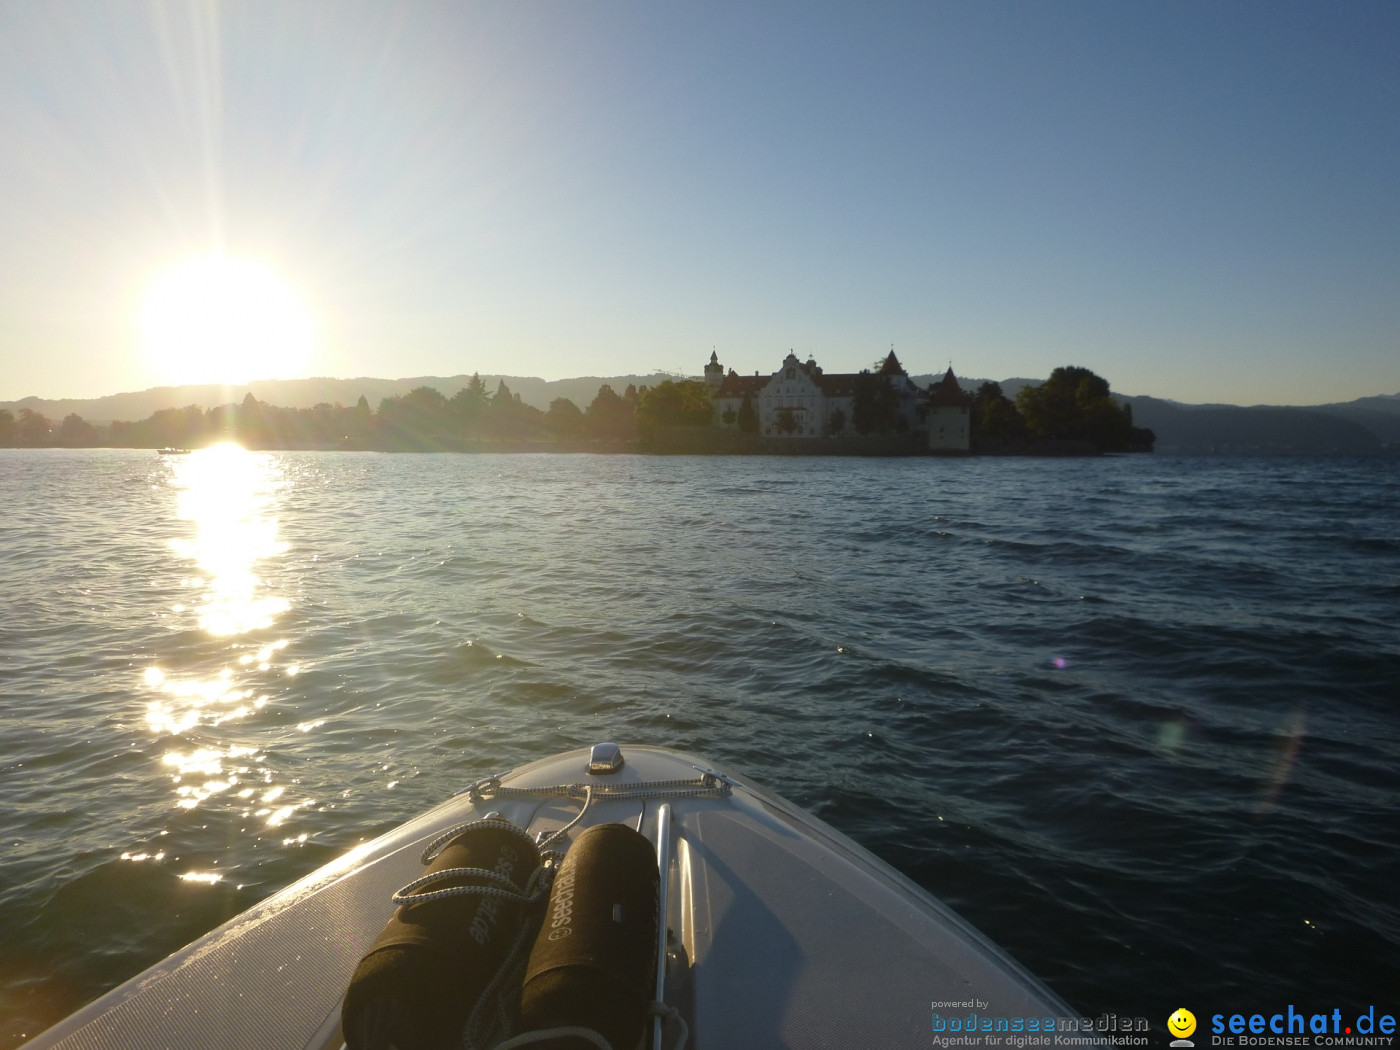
(798, 409)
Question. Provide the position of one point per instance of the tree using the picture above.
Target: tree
(785, 420)
(994, 416)
(8, 429)
(511, 419)
(1074, 405)
(469, 407)
(419, 420)
(359, 425)
(428, 400)
(33, 430)
(252, 422)
(875, 405)
(194, 425)
(610, 417)
(170, 428)
(606, 400)
(687, 403)
(748, 415)
(564, 419)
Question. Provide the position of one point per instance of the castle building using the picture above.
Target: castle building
(800, 401)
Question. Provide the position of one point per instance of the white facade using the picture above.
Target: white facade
(949, 416)
(792, 404)
(948, 428)
(800, 401)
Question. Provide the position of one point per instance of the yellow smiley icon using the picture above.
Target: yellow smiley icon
(1182, 1023)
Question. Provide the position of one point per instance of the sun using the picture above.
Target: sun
(223, 319)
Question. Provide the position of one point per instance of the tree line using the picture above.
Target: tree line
(1073, 405)
(422, 420)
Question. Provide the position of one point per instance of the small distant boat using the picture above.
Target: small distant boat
(173, 451)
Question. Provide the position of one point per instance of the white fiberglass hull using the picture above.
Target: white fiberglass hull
(784, 933)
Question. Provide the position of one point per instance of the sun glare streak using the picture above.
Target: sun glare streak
(228, 494)
(239, 775)
(186, 703)
(226, 499)
(209, 878)
(205, 772)
(223, 319)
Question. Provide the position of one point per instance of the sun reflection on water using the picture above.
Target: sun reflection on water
(207, 771)
(226, 500)
(189, 702)
(229, 495)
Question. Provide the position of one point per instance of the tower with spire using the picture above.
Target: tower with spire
(714, 371)
(949, 415)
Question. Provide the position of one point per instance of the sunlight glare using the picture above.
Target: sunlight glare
(223, 319)
(209, 878)
(230, 496)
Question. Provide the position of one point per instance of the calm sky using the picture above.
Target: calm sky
(1198, 200)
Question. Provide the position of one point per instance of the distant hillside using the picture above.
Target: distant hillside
(305, 393)
(1262, 428)
(1365, 426)
(1379, 415)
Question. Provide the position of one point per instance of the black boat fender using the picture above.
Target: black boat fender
(444, 948)
(593, 965)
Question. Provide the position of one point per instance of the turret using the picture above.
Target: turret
(891, 366)
(714, 371)
(948, 425)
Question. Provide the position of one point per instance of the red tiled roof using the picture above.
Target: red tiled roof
(892, 367)
(831, 384)
(735, 385)
(947, 392)
(840, 384)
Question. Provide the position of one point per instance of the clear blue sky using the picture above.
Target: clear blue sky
(1198, 200)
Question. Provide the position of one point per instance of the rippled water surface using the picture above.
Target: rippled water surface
(1134, 717)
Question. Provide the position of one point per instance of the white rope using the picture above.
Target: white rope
(670, 1013)
(409, 894)
(549, 840)
(504, 888)
(432, 849)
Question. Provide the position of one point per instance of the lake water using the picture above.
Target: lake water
(1133, 717)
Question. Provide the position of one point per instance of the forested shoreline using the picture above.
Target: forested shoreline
(1071, 412)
